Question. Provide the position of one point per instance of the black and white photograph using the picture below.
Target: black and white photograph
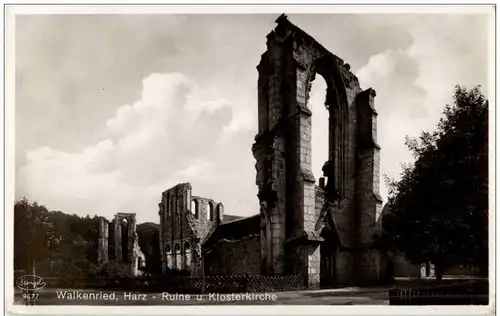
(250, 155)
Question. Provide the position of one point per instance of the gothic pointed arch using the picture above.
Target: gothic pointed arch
(336, 169)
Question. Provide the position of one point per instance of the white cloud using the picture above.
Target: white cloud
(414, 84)
(159, 140)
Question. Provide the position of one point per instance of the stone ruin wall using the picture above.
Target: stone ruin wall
(185, 221)
(292, 205)
(135, 258)
(283, 151)
(229, 257)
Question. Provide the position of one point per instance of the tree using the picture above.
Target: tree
(33, 234)
(439, 207)
(149, 242)
(52, 243)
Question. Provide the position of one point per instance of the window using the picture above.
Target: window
(178, 257)
(187, 255)
(194, 208)
(140, 263)
(320, 128)
(168, 257)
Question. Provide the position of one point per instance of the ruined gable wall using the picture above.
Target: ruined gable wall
(184, 225)
(283, 152)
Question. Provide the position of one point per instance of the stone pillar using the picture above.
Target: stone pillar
(269, 151)
(219, 213)
(313, 266)
(187, 196)
(369, 201)
(167, 221)
(304, 190)
(102, 244)
(161, 212)
(118, 239)
(132, 243)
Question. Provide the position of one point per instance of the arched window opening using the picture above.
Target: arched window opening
(194, 208)
(139, 262)
(178, 257)
(320, 130)
(187, 255)
(168, 257)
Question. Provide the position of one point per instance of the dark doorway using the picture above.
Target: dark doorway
(328, 253)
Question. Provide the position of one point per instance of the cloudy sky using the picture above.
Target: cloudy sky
(111, 110)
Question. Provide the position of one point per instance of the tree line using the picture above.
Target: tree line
(56, 244)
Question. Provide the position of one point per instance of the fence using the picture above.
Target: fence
(188, 284)
(457, 294)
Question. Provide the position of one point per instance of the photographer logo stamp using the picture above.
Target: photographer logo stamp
(30, 283)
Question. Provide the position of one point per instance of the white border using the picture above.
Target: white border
(318, 8)
(11, 11)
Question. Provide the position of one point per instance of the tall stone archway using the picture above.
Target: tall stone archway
(282, 150)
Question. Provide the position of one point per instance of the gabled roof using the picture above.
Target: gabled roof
(229, 218)
(326, 219)
(234, 230)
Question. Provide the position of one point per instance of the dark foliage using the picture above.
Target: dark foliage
(53, 243)
(149, 242)
(34, 234)
(439, 207)
(56, 244)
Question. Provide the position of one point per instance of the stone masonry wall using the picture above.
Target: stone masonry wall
(367, 194)
(270, 153)
(185, 221)
(234, 257)
(344, 262)
(102, 242)
(114, 229)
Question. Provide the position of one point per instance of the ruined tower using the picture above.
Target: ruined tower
(325, 232)
(124, 242)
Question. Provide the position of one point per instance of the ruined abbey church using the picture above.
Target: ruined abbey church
(320, 226)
